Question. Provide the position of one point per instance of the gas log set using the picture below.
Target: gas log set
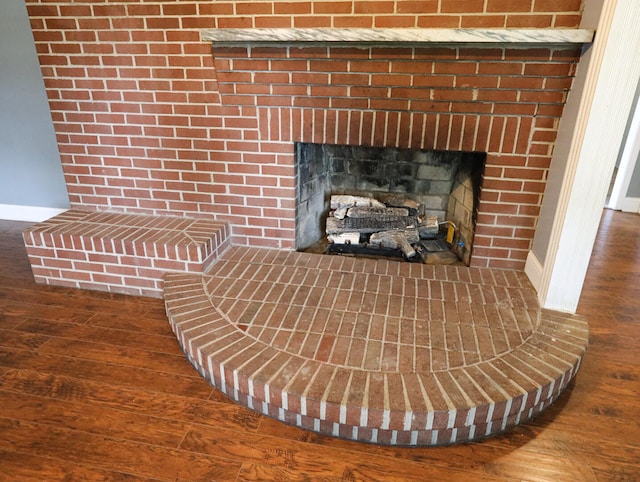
(392, 225)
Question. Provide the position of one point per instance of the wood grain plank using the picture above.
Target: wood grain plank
(21, 467)
(153, 322)
(62, 329)
(251, 471)
(334, 459)
(490, 459)
(107, 373)
(94, 419)
(68, 314)
(218, 412)
(9, 322)
(93, 301)
(261, 450)
(20, 340)
(121, 355)
(107, 453)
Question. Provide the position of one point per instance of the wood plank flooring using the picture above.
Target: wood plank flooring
(81, 401)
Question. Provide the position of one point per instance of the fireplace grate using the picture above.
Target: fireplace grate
(370, 225)
(435, 245)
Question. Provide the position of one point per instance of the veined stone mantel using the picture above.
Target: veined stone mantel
(231, 37)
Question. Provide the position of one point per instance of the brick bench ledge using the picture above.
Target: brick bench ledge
(121, 253)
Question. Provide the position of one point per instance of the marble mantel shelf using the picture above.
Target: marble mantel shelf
(236, 37)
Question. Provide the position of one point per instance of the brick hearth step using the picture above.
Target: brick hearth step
(121, 253)
(373, 350)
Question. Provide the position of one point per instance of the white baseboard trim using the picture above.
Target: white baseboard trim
(533, 269)
(35, 214)
(630, 205)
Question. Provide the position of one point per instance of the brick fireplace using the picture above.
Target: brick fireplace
(155, 128)
(151, 120)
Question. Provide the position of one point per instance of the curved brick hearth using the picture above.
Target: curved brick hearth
(373, 350)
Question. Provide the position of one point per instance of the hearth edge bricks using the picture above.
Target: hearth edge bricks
(396, 407)
(119, 252)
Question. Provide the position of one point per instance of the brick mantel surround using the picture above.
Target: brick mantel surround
(148, 121)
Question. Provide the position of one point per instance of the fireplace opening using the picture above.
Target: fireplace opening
(416, 204)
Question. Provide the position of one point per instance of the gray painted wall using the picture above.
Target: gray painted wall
(633, 191)
(634, 184)
(30, 167)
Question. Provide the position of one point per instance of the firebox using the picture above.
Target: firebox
(405, 191)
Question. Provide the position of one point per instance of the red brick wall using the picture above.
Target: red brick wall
(146, 124)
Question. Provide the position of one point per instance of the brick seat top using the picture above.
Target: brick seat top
(374, 350)
(136, 234)
(118, 252)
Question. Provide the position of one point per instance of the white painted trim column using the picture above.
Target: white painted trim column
(603, 112)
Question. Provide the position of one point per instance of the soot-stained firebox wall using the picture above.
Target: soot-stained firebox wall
(446, 183)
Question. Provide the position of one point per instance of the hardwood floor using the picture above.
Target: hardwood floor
(94, 387)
